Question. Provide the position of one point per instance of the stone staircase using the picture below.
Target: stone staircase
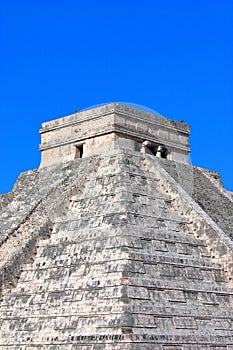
(131, 263)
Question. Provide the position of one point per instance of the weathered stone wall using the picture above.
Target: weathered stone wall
(99, 127)
(128, 261)
(37, 197)
(206, 189)
(20, 248)
(5, 199)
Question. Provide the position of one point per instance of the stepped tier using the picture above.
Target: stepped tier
(110, 252)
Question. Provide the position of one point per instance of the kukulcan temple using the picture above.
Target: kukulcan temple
(116, 241)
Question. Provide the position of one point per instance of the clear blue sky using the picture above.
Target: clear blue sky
(174, 56)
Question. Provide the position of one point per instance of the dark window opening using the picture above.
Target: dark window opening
(164, 153)
(152, 149)
(79, 151)
(155, 149)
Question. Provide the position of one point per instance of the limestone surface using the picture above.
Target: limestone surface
(111, 252)
(116, 242)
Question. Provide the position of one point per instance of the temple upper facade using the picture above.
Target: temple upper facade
(110, 127)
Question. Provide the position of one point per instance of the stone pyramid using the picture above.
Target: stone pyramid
(116, 242)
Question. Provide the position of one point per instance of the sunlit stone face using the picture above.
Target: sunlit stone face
(110, 127)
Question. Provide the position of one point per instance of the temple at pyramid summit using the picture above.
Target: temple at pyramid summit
(116, 241)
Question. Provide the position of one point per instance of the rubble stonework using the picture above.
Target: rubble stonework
(119, 250)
